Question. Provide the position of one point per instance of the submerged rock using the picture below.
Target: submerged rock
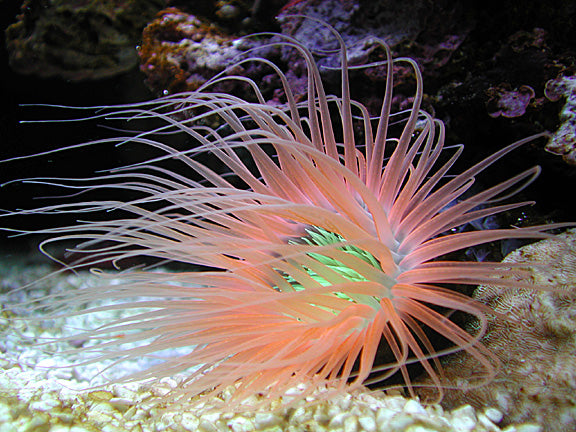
(563, 141)
(77, 39)
(179, 52)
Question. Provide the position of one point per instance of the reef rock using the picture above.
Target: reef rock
(180, 52)
(536, 345)
(563, 141)
(77, 39)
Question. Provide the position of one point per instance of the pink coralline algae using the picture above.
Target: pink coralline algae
(508, 103)
(563, 141)
(179, 52)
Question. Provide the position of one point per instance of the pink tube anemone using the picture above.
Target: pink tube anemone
(321, 232)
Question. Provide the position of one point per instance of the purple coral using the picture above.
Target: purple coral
(509, 103)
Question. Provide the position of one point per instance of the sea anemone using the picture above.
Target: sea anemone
(318, 236)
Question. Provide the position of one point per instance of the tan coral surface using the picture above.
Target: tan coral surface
(537, 345)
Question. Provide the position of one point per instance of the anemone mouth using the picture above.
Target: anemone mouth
(321, 239)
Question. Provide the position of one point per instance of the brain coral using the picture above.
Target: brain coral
(536, 345)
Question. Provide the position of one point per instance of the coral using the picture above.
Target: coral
(509, 103)
(563, 141)
(534, 335)
(78, 39)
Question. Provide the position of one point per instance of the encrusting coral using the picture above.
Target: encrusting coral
(321, 233)
(536, 343)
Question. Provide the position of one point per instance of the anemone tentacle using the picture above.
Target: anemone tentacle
(316, 253)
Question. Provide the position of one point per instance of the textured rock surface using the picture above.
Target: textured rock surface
(537, 345)
(179, 52)
(78, 39)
